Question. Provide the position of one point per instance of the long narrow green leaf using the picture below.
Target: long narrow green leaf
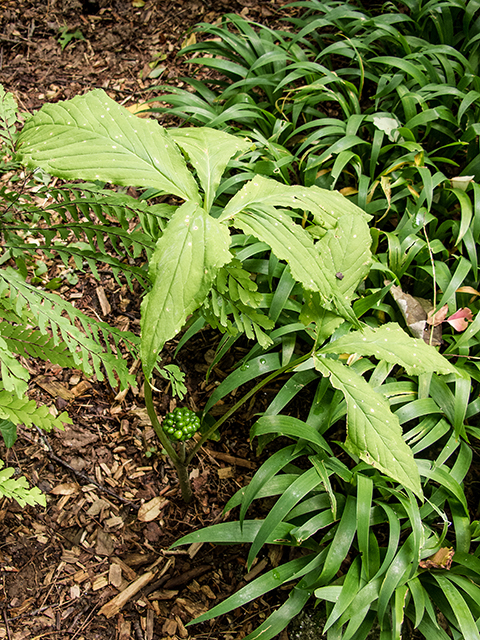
(265, 583)
(303, 485)
(418, 594)
(347, 592)
(460, 608)
(275, 463)
(341, 543)
(279, 619)
(233, 533)
(248, 371)
(396, 575)
(364, 505)
(289, 426)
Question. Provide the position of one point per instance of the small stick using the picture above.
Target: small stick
(119, 601)
(7, 626)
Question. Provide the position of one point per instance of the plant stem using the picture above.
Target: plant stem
(178, 461)
(242, 401)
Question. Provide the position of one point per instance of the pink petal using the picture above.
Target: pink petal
(460, 319)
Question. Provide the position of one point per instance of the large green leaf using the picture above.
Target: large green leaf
(290, 242)
(326, 206)
(345, 252)
(374, 433)
(93, 138)
(209, 152)
(185, 262)
(390, 343)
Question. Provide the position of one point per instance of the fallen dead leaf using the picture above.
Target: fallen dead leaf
(151, 509)
(415, 311)
(97, 507)
(81, 388)
(66, 489)
(54, 388)
(75, 439)
(139, 109)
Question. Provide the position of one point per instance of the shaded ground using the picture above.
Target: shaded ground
(122, 44)
(59, 566)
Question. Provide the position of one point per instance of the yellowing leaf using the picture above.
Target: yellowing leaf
(192, 39)
(138, 109)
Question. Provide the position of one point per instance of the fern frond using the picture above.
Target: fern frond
(31, 343)
(14, 376)
(27, 412)
(88, 343)
(217, 308)
(76, 221)
(18, 489)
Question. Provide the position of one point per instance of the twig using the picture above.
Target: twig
(18, 40)
(7, 626)
(35, 612)
(87, 620)
(83, 476)
(138, 630)
(432, 261)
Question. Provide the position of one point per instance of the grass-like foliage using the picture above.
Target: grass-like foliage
(383, 107)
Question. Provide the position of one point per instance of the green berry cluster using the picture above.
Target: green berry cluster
(181, 424)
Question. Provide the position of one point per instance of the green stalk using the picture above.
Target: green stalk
(242, 401)
(178, 461)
